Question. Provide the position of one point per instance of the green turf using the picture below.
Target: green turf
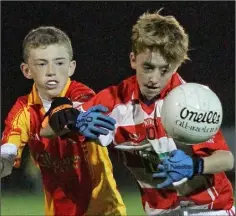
(21, 204)
(28, 204)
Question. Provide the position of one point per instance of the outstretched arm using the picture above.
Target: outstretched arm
(63, 118)
(179, 165)
(14, 137)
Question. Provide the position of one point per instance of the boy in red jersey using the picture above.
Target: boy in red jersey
(74, 174)
(160, 46)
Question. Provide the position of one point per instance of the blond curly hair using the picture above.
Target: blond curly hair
(163, 33)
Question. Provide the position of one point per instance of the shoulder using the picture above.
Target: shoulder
(123, 91)
(20, 104)
(19, 112)
(113, 95)
(78, 91)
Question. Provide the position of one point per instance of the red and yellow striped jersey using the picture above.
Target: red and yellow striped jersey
(77, 176)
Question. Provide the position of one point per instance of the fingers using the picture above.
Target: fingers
(104, 124)
(166, 183)
(161, 167)
(105, 118)
(160, 175)
(98, 130)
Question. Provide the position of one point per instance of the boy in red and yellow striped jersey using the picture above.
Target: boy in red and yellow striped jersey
(77, 178)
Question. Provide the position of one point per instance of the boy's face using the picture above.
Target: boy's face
(153, 72)
(50, 68)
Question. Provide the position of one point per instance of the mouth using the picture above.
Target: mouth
(51, 84)
(152, 88)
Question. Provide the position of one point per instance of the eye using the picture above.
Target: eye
(164, 71)
(148, 68)
(60, 63)
(41, 64)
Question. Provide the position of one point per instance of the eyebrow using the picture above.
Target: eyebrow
(60, 58)
(153, 65)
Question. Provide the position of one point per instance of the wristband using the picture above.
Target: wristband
(198, 166)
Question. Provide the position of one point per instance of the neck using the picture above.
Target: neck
(46, 103)
(147, 101)
(45, 98)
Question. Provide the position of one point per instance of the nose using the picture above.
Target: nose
(50, 71)
(154, 77)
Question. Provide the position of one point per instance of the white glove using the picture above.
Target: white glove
(8, 155)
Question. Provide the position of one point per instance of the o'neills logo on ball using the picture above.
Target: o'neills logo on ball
(208, 117)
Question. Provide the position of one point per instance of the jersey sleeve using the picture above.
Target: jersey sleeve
(79, 93)
(217, 142)
(16, 129)
(107, 97)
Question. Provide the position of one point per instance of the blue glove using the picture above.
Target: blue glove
(177, 166)
(93, 123)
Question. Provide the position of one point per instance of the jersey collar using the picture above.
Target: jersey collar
(34, 98)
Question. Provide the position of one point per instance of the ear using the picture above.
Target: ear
(132, 59)
(26, 71)
(72, 68)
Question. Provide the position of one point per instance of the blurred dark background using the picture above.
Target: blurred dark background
(100, 34)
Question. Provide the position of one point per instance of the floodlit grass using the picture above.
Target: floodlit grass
(29, 204)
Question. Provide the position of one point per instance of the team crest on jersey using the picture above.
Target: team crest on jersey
(61, 165)
(149, 124)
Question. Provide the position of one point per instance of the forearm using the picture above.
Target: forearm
(63, 118)
(219, 161)
(48, 132)
(8, 155)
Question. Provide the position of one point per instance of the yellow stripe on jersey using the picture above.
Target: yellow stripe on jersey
(106, 200)
(49, 204)
(19, 132)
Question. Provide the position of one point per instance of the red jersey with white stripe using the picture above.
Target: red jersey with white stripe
(139, 131)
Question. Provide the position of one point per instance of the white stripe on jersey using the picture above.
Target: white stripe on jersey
(154, 212)
(211, 194)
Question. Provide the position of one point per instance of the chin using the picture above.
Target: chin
(54, 93)
(150, 97)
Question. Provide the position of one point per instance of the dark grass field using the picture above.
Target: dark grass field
(23, 204)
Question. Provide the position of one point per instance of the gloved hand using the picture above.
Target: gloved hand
(93, 123)
(178, 166)
(62, 116)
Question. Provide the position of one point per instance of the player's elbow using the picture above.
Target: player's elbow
(230, 160)
(227, 160)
